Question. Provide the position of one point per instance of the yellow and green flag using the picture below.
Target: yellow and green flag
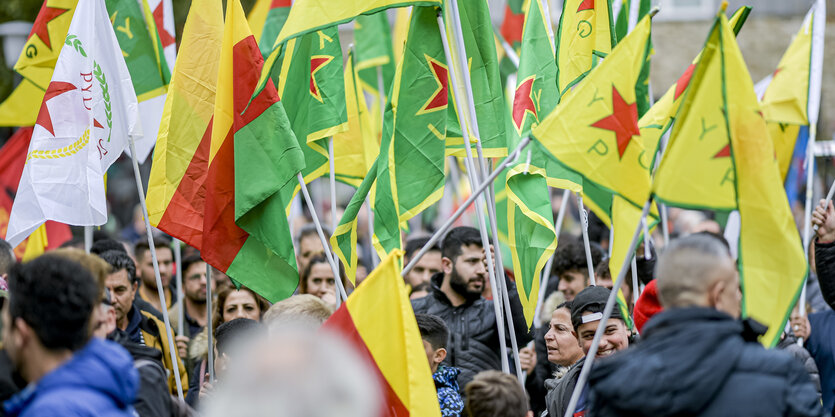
(721, 136)
(376, 63)
(584, 37)
(266, 20)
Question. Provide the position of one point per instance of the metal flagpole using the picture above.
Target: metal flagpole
(209, 313)
(635, 289)
(341, 295)
(601, 326)
(479, 214)
(181, 311)
(171, 349)
(88, 238)
(463, 207)
(584, 224)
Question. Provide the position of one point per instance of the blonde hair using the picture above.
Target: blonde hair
(298, 308)
(98, 267)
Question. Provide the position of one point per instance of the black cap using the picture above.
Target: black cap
(591, 299)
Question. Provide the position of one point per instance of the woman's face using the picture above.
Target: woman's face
(241, 304)
(320, 281)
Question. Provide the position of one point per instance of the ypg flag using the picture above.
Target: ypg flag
(253, 154)
(410, 175)
(176, 188)
(88, 113)
(355, 149)
(39, 55)
(585, 36)
(513, 24)
(162, 14)
(344, 238)
(21, 107)
(594, 132)
(772, 268)
(375, 62)
(379, 322)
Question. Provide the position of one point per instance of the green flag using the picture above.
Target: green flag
(375, 59)
(276, 16)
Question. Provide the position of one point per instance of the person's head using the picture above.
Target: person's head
(317, 278)
(463, 262)
(586, 313)
(571, 266)
(428, 265)
(194, 279)
(604, 278)
(647, 305)
(420, 291)
(697, 271)
(145, 265)
(230, 334)
(598, 231)
(99, 269)
(48, 312)
(233, 303)
(562, 346)
(101, 246)
(7, 258)
(122, 283)
(495, 394)
(104, 321)
(301, 309)
(308, 245)
(435, 335)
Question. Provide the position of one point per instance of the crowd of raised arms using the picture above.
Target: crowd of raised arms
(83, 334)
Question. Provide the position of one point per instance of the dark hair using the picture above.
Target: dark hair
(188, 260)
(495, 394)
(458, 238)
(598, 232)
(319, 258)
(7, 258)
(232, 331)
(433, 330)
(423, 286)
(55, 296)
(602, 271)
(571, 255)
(104, 245)
(119, 260)
(223, 294)
(310, 229)
(414, 245)
(142, 247)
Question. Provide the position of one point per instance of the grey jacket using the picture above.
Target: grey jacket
(560, 389)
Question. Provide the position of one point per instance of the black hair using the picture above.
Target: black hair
(571, 255)
(7, 258)
(458, 238)
(189, 260)
(104, 245)
(55, 297)
(433, 330)
(309, 229)
(414, 245)
(142, 247)
(120, 260)
(598, 232)
(232, 331)
(423, 286)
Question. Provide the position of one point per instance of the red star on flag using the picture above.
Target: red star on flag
(40, 27)
(684, 81)
(317, 62)
(724, 152)
(623, 121)
(164, 36)
(55, 88)
(523, 103)
(438, 100)
(586, 5)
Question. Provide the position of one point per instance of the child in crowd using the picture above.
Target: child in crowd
(435, 334)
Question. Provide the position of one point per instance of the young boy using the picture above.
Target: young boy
(435, 334)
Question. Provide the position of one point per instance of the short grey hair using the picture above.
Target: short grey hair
(683, 268)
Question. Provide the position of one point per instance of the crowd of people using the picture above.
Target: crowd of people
(83, 334)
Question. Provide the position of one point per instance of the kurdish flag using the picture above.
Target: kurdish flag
(253, 154)
(39, 55)
(344, 238)
(177, 185)
(721, 134)
(585, 36)
(378, 321)
(374, 52)
(162, 14)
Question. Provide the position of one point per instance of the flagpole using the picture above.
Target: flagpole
(497, 305)
(607, 313)
(341, 295)
(88, 238)
(181, 310)
(635, 289)
(463, 207)
(584, 225)
(546, 272)
(209, 295)
(171, 350)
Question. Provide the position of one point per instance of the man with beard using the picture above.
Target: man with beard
(456, 299)
(195, 292)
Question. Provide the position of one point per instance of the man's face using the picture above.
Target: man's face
(103, 320)
(9, 344)
(571, 283)
(615, 337)
(562, 346)
(429, 264)
(122, 293)
(468, 274)
(146, 267)
(194, 282)
(309, 246)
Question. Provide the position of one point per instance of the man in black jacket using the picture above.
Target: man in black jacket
(456, 299)
(695, 358)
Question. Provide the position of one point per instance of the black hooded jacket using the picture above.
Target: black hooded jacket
(700, 362)
(473, 338)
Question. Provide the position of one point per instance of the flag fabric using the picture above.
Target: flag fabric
(143, 52)
(21, 107)
(375, 60)
(176, 187)
(344, 238)
(513, 23)
(585, 36)
(88, 113)
(162, 14)
(623, 17)
(378, 321)
(720, 128)
(266, 30)
(400, 29)
(355, 149)
(12, 160)
(40, 53)
(253, 154)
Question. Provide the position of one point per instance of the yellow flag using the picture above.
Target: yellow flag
(21, 107)
(585, 36)
(355, 149)
(771, 260)
(594, 131)
(785, 100)
(257, 16)
(37, 60)
(36, 244)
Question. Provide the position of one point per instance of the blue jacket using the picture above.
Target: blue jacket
(700, 362)
(446, 382)
(99, 380)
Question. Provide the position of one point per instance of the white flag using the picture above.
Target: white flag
(88, 112)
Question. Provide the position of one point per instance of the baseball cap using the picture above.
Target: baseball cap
(591, 299)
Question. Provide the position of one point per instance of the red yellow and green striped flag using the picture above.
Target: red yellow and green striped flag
(721, 134)
(379, 322)
(585, 36)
